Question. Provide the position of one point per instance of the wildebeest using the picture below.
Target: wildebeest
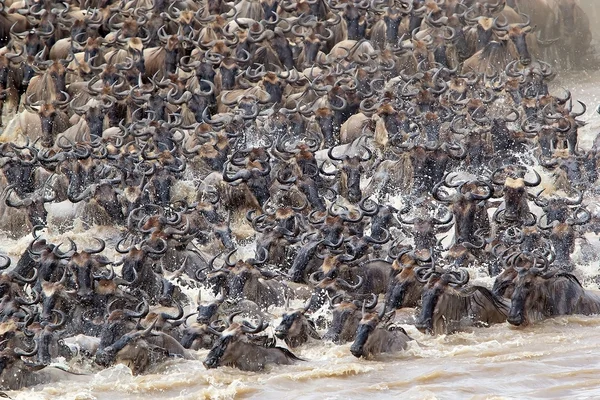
(375, 335)
(130, 349)
(246, 280)
(542, 291)
(16, 373)
(515, 206)
(235, 348)
(351, 171)
(404, 289)
(296, 328)
(467, 205)
(575, 33)
(449, 305)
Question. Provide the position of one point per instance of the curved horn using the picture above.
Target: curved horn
(537, 181)
(346, 285)
(20, 352)
(247, 328)
(99, 249)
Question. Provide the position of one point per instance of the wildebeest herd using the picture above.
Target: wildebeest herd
(368, 151)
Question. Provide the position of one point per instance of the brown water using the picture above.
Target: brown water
(558, 358)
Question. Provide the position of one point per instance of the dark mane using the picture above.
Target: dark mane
(495, 300)
(570, 277)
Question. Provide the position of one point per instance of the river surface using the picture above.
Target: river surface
(557, 358)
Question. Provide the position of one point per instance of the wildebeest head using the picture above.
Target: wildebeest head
(33, 203)
(19, 168)
(47, 113)
(129, 349)
(33, 45)
(429, 163)
(208, 312)
(295, 327)
(392, 19)
(306, 256)
(469, 214)
(12, 295)
(562, 235)
(83, 264)
(118, 322)
(404, 289)
(245, 274)
(530, 293)
(437, 285)
(54, 296)
(47, 338)
(13, 371)
(425, 228)
(366, 326)
(375, 334)
(515, 193)
(274, 87)
(328, 287)
(517, 34)
(199, 336)
(567, 13)
(311, 46)
(228, 72)
(57, 72)
(352, 170)
(355, 21)
(557, 208)
(256, 176)
(485, 31)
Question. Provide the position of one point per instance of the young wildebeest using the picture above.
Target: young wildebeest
(375, 335)
(449, 305)
(235, 348)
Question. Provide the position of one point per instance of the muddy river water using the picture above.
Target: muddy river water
(559, 358)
